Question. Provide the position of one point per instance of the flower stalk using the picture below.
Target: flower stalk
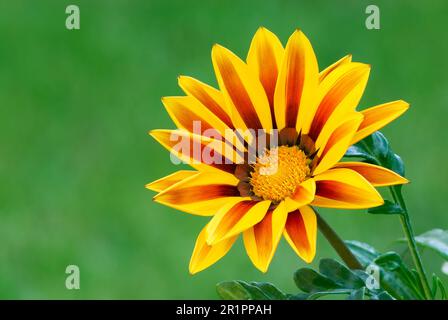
(337, 243)
(409, 233)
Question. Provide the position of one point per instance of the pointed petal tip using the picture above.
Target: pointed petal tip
(264, 269)
(192, 269)
(148, 185)
(309, 259)
(405, 104)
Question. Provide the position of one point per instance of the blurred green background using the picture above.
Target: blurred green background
(75, 155)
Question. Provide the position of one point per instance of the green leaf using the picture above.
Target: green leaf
(362, 251)
(398, 276)
(443, 294)
(394, 162)
(436, 239)
(317, 295)
(340, 274)
(357, 151)
(232, 290)
(357, 294)
(376, 149)
(241, 290)
(269, 290)
(390, 261)
(311, 281)
(391, 281)
(383, 295)
(387, 208)
(437, 285)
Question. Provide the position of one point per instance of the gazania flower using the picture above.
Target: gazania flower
(316, 117)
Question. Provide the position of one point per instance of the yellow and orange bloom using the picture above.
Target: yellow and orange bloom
(316, 117)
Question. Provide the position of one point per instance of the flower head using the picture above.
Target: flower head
(309, 120)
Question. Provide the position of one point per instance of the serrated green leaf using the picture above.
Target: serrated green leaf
(309, 280)
(390, 281)
(387, 208)
(232, 290)
(340, 274)
(395, 271)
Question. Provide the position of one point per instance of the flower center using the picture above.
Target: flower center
(278, 172)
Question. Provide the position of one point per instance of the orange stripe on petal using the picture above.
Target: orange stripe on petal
(338, 143)
(264, 58)
(244, 94)
(262, 240)
(198, 151)
(208, 96)
(376, 175)
(205, 255)
(301, 232)
(185, 111)
(233, 219)
(166, 182)
(324, 73)
(297, 83)
(345, 188)
(202, 194)
(303, 195)
(377, 117)
(339, 94)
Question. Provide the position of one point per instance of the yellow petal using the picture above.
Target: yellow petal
(202, 194)
(202, 153)
(324, 73)
(297, 83)
(243, 92)
(345, 188)
(376, 175)
(232, 219)
(264, 59)
(377, 117)
(301, 232)
(186, 110)
(189, 114)
(303, 195)
(205, 255)
(262, 239)
(338, 95)
(338, 143)
(208, 96)
(170, 180)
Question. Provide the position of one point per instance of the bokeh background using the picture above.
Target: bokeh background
(75, 155)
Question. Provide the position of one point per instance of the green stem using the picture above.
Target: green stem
(407, 228)
(337, 243)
